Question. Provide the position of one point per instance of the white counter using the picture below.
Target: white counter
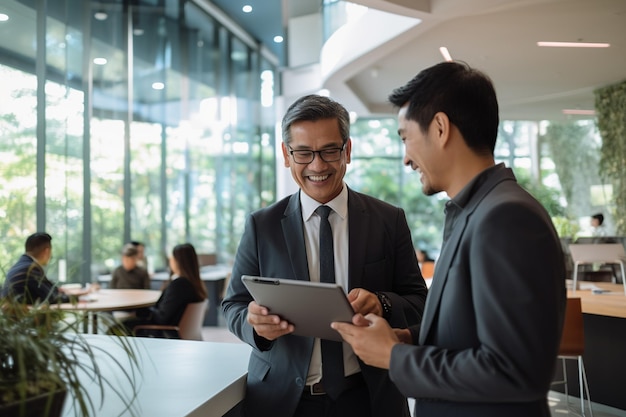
(178, 378)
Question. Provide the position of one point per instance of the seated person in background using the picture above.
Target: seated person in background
(184, 287)
(27, 281)
(426, 263)
(597, 226)
(422, 256)
(129, 275)
(142, 261)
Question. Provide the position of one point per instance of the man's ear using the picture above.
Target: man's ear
(285, 155)
(348, 150)
(441, 123)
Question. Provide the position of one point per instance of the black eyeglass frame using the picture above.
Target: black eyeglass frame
(320, 153)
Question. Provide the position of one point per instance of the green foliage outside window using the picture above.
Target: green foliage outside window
(610, 107)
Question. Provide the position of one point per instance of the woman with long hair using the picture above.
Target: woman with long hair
(184, 287)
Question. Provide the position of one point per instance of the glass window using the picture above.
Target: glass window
(155, 132)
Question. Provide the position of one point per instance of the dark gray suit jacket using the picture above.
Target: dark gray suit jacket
(382, 258)
(492, 324)
(27, 281)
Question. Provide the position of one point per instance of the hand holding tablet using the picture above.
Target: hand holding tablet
(309, 306)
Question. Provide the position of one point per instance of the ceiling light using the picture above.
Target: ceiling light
(247, 8)
(158, 86)
(4, 17)
(581, 112)
(278, 39)
(574, 44)
(138, 31)
(445, 53)
(100, 61)
(100, 15)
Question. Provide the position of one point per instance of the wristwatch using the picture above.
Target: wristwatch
(385, 302)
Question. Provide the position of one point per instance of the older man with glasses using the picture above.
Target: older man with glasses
(330, 233)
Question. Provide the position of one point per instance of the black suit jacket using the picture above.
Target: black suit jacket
(27, 279)
(492, 323)
(382, 258)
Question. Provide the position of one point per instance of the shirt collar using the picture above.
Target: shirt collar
(464, 196)
(339, 204)
(33, 258)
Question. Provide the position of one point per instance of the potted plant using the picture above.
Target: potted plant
(42, 355)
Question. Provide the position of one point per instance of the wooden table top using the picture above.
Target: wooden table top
(111, 300)
(612, 303)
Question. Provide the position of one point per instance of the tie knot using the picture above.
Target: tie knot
(323, 211)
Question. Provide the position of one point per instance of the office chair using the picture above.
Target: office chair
(572, 347)
(189, 327)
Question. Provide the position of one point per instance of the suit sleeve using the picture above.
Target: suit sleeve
(235, 303)
(409, 288)
(390, 264)
(496, 342)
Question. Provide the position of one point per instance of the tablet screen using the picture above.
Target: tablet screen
(309, 306)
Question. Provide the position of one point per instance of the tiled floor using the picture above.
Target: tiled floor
(558, 402)
(560, 407)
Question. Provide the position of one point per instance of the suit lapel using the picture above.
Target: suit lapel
(433, 301)
(358, 232)
(293, 233)
(441, 276)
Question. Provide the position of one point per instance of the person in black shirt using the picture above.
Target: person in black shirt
(185, 286)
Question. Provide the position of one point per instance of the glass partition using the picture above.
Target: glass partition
(129, 121)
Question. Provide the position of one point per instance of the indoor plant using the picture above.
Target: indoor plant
(42, 354)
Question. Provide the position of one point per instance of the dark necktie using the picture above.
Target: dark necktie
(332, 352)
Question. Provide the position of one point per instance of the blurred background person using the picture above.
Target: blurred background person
(422, 256)
(597, 225)
(184, 287)
(26, 280)
(129, 275)
(142, 260)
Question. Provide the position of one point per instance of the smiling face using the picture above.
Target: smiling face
(319, 179)
(420, 151)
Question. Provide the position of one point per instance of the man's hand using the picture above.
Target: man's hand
(365, 302)
(269, 326)
(404, 336)
(371, 338)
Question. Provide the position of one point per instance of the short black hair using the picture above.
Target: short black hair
(313, 108)
(466, 95)
(599, 217)
(36, 242)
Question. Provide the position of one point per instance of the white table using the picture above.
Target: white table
(111, 300)
(214, 277)
(178, 378)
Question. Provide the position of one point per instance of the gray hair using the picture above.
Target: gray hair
(312, 108)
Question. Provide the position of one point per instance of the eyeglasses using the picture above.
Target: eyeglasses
(306, 157)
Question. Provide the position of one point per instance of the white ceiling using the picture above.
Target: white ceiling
(500, 37)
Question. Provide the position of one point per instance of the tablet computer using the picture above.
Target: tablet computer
(309, 306)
